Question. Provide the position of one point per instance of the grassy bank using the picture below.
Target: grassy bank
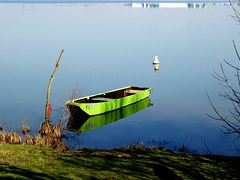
(32, 162)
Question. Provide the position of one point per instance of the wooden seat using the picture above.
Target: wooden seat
(102, 99)
(134, 91)
(131, 91)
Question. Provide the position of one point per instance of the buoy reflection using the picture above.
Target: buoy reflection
(156, 64)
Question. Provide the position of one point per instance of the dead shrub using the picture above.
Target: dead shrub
(13, 138)
(37, 139)
(61, 146)
(29, 140)
(57, 131)
(51, 136)
(25, 129)
(3, 138)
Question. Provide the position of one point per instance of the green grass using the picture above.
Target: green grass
(32, 162)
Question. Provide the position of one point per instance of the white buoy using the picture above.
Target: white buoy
(156, 61)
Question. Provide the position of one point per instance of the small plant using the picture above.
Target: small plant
(11, 138)
(25, 129)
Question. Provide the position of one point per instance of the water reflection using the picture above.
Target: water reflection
(80, 122)
(170, 5)
(187, 42)
(156, 64)
(156, 67)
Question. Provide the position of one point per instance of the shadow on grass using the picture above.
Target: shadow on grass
(94, 164)
(169, 166)
(12, 172)
(163, 172)
(120, 167)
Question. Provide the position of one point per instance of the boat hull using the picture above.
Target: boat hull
(80, 123)
(96, 108)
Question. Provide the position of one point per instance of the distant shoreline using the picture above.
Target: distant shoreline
(112, 1)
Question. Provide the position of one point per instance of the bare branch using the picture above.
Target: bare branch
(228, 83)
(237, 14)
(208, 151)
(229, 97)
(232, 128)
(238, 78)
(231, 65)
(218, 119)
(218, 77)
(236, 51)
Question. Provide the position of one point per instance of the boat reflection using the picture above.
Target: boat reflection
(80, 122)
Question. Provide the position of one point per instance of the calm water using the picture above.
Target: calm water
(108, 46)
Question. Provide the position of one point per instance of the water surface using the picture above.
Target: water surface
(108, 46)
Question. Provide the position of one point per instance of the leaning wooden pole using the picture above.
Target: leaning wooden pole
(47, 116)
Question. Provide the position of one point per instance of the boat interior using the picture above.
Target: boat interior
(111, 95)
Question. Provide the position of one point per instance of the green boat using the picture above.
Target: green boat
(108, 101)
(80, 123)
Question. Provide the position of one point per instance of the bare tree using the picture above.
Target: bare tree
(47, 109)
(232, 94)
(232, 123)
